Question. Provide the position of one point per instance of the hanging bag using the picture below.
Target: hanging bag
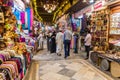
(1, 16)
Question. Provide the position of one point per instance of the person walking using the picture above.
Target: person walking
(76, 37)
(53, 42)
(48, 41)
(59, 42)
(87, 40)
(67, 40)
(40, 38)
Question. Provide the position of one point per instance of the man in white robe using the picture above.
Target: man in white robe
(40, 38)
(59, 42)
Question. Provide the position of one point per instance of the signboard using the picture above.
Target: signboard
(85, 10)
(98, 5)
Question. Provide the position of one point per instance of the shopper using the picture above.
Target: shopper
(88, 39)
(59, 42)
(67, 40)
(48, 41)
(76, 37)
(40, 38)
(53, 42)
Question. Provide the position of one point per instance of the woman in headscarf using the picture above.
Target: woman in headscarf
(53, 43)
(40, 38)
(48, 41)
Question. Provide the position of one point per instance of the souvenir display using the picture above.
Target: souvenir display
(99, 29)
(105, 30)
(15, 57)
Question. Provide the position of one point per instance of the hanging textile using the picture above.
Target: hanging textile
(28, 18)
(22, 17)
(5, 74)
(31, 18)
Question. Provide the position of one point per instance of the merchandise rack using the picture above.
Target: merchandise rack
(99, 29)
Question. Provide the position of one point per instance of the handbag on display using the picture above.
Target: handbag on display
(1, 16)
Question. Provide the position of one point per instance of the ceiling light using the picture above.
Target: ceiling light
(50, 6)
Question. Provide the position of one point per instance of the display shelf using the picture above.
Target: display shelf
(110, 59)
(106, 61)
(99, 28)
(114, 33)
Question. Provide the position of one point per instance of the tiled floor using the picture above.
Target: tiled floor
(53, 67)
(76, 69)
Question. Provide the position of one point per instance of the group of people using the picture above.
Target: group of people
(56, 41)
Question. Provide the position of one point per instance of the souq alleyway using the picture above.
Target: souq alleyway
(46, 66)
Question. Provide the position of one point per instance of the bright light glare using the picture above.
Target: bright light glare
(91, 1)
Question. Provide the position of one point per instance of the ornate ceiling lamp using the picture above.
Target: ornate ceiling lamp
(50, 6)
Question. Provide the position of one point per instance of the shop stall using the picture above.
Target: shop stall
(99, 27)
(98, 23)
(106, 53)
(15, 56)
(114, 34)
(84, 17)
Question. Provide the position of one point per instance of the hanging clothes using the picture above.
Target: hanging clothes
(14, 65)
(5, 74)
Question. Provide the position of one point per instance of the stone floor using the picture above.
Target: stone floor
(48, 66)
(74, 69)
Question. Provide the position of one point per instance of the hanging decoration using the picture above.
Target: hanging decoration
(29, 18)
(50, 6)
(22, 17)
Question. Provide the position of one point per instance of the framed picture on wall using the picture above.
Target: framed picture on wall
(1, 17)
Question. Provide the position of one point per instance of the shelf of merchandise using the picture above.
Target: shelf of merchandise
(99, 28)
(108, 60)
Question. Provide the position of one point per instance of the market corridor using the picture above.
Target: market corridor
(48, 66)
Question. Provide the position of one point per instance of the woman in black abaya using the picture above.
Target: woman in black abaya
(53, 43)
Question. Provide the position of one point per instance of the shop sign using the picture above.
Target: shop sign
(85, 10)
(99, 5)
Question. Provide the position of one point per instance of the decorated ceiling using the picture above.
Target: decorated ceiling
(51, 10)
